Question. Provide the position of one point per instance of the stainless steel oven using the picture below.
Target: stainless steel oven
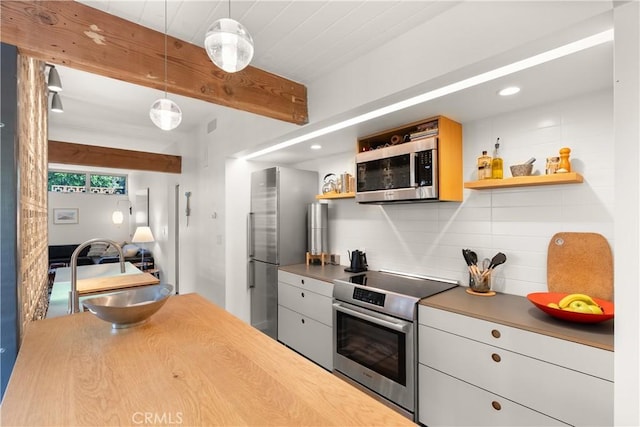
(376, 351)
(375, 332)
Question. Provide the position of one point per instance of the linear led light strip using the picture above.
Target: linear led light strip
(559, 52)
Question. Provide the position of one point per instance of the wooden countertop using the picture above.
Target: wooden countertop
(192, 364)
(519, 312)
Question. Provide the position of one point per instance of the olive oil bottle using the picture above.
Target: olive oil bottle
(496, 163)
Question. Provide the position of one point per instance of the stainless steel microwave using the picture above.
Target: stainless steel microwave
(403, 172)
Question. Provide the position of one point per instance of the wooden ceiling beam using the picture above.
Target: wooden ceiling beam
(91, 155)
(87, 39)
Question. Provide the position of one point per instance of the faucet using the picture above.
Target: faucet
(74, 296)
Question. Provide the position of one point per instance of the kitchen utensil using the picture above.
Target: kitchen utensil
(465, 255)
(521, 170)
(477, 283)
(473, 257)
(541, 299)
(485, 264)
(497, 259)
(358, 261)
(530, 161)
(580, 263)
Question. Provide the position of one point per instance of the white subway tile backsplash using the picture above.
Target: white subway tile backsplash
(531, 196)
(515, 228)
(526, 214)
(459, 213)
(427, 238)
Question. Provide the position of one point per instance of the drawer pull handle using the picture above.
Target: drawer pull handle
(302, 294)
(496, 405)
(496, 357)
(302, 321)
(302, 281)
(495, 333)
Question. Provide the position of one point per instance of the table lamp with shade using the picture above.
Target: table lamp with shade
(143, 235)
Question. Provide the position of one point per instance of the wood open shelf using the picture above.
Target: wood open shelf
(335, 196)
(526, 181)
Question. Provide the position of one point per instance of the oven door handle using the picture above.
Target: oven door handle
(401, 326)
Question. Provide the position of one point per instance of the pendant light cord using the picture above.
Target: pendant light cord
(229, 9)
(165, 48)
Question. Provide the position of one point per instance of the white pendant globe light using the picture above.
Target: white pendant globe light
(229, 44)
(165, 113)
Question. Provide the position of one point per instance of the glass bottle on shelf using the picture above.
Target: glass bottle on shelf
(496, 163)
(484, 166)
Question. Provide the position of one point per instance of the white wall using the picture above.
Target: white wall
(427, 238)
(94, 218)
(627, 226)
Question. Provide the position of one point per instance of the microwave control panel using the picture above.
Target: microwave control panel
(368, 296)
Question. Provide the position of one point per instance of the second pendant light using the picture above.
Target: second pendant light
(165, 113)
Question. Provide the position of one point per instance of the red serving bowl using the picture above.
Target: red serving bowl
(541, 299)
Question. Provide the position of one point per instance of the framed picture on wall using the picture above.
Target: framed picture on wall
(65, 216)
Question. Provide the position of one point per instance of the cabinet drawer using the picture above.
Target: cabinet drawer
(307, 303)
(561, 393)
(446, 401)
(590, 360)
(304, 282)
(308, 337)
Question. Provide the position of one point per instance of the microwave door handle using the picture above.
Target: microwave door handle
(416, 170)
(400, 327)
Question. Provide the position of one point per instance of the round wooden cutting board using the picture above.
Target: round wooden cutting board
(580, 263)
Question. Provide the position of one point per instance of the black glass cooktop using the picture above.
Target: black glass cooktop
(417, 287)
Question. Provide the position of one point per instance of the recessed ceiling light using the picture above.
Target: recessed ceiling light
(507, 91)
(316, 146)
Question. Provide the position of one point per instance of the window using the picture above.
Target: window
(108, 184)
(84, 182)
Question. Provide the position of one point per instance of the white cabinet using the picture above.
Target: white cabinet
(447, 401)
(305, 316)
(496, 371)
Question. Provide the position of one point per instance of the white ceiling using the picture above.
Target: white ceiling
(301, 40)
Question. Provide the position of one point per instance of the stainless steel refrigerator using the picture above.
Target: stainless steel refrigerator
(277, 235)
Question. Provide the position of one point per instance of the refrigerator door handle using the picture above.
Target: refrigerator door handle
(250, 252)
(251, 274)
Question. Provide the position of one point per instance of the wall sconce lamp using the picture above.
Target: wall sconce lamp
(55, 87)
(117, 216)
(54, 84)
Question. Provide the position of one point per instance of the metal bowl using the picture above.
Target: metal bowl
(129, 308)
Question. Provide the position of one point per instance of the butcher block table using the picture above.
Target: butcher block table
(191, 364)
(93, 280)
